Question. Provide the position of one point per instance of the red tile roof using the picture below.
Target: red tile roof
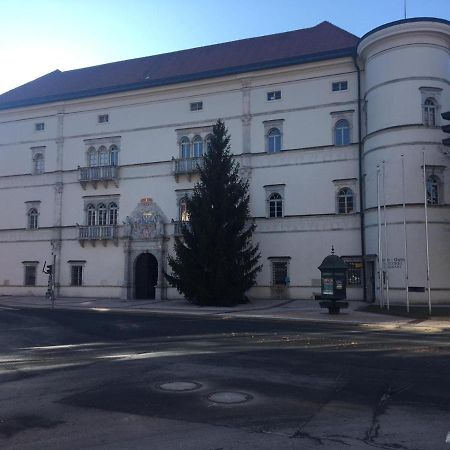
(324, 41)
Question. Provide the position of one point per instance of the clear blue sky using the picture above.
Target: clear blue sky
(39, 36)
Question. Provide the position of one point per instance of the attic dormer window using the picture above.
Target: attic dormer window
(103, 118)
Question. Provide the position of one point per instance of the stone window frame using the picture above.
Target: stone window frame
(275, 189)
(109, 201)
(336, 117)
(94, 146)
(188, 134)
(38, 153)
(78, 265)
(286, 260)
(433, 93)
(26, 265)
(349, 183)
(270, 125)
(32, 206)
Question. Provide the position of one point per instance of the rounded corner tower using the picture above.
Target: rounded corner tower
(405, 87)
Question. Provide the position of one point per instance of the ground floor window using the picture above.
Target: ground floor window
(354, 273)
(280, 271)
(30, 275)
(76, 275)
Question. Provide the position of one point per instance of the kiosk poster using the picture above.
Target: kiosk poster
(328, 286)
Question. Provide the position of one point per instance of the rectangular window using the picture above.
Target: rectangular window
(279, 273)
(340, 86)
(30, 275)
(273, 95)
(196, 106)
(76, 275)
(40, 126)
(354, 273)
(103, 118)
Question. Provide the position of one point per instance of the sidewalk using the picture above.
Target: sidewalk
(292, 310)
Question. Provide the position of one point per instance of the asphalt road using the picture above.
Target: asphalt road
(92, 380)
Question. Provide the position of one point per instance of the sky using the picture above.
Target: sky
(39, 36)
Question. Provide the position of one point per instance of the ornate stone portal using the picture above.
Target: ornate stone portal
(145, 233)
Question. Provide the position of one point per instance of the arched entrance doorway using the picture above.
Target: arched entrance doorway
(145, 276)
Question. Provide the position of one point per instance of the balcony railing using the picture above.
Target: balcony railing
(178, 225)
(94, 233)
(186, 166)
(95, 174)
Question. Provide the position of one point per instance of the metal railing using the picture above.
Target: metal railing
(187, 165)
(97, 232)
(99, 173)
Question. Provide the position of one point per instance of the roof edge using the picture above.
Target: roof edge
(402, 21)
(315, 57)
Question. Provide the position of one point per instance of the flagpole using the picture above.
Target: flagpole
(426, 233)
(405, 237)
(386, 259)
(380, 250)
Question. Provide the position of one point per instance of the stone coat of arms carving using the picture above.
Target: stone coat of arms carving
(146, 221)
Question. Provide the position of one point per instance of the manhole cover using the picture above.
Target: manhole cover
(179, 386)
(229, 397)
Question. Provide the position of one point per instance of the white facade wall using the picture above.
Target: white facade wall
(146, 126)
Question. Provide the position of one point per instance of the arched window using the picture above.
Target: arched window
(433, 190)
(38, 163)
(275, 205)
(92, 157)
(114, 155)
(113, 211)
(91, 215)
(103, 159)
(208, 142)
(102, 214)
(198, 146)
(185, 147)
(184, 214)
(274, 140)
(342, 133)
(429, 112)
(33, 219)
(345, 201)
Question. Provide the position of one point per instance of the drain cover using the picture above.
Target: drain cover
(179, 386)
(229, 397)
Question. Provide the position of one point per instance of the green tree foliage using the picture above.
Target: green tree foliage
(215, 262)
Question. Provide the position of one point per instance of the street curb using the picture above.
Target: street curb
(209, 315)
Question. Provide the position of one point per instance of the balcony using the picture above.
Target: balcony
(94, 233)
(95, 174)
(177, 226)
(186, 166)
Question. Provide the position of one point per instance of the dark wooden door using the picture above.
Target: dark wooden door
(145, 276)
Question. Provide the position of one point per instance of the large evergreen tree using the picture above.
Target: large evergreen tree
(215, 262)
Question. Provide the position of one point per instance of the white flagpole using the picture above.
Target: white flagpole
(386, 259)
(380, 250)
(405, 237)
(426, 233)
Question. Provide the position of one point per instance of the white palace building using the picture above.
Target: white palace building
(96, 163)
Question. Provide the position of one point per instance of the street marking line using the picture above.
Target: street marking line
(447, 440)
